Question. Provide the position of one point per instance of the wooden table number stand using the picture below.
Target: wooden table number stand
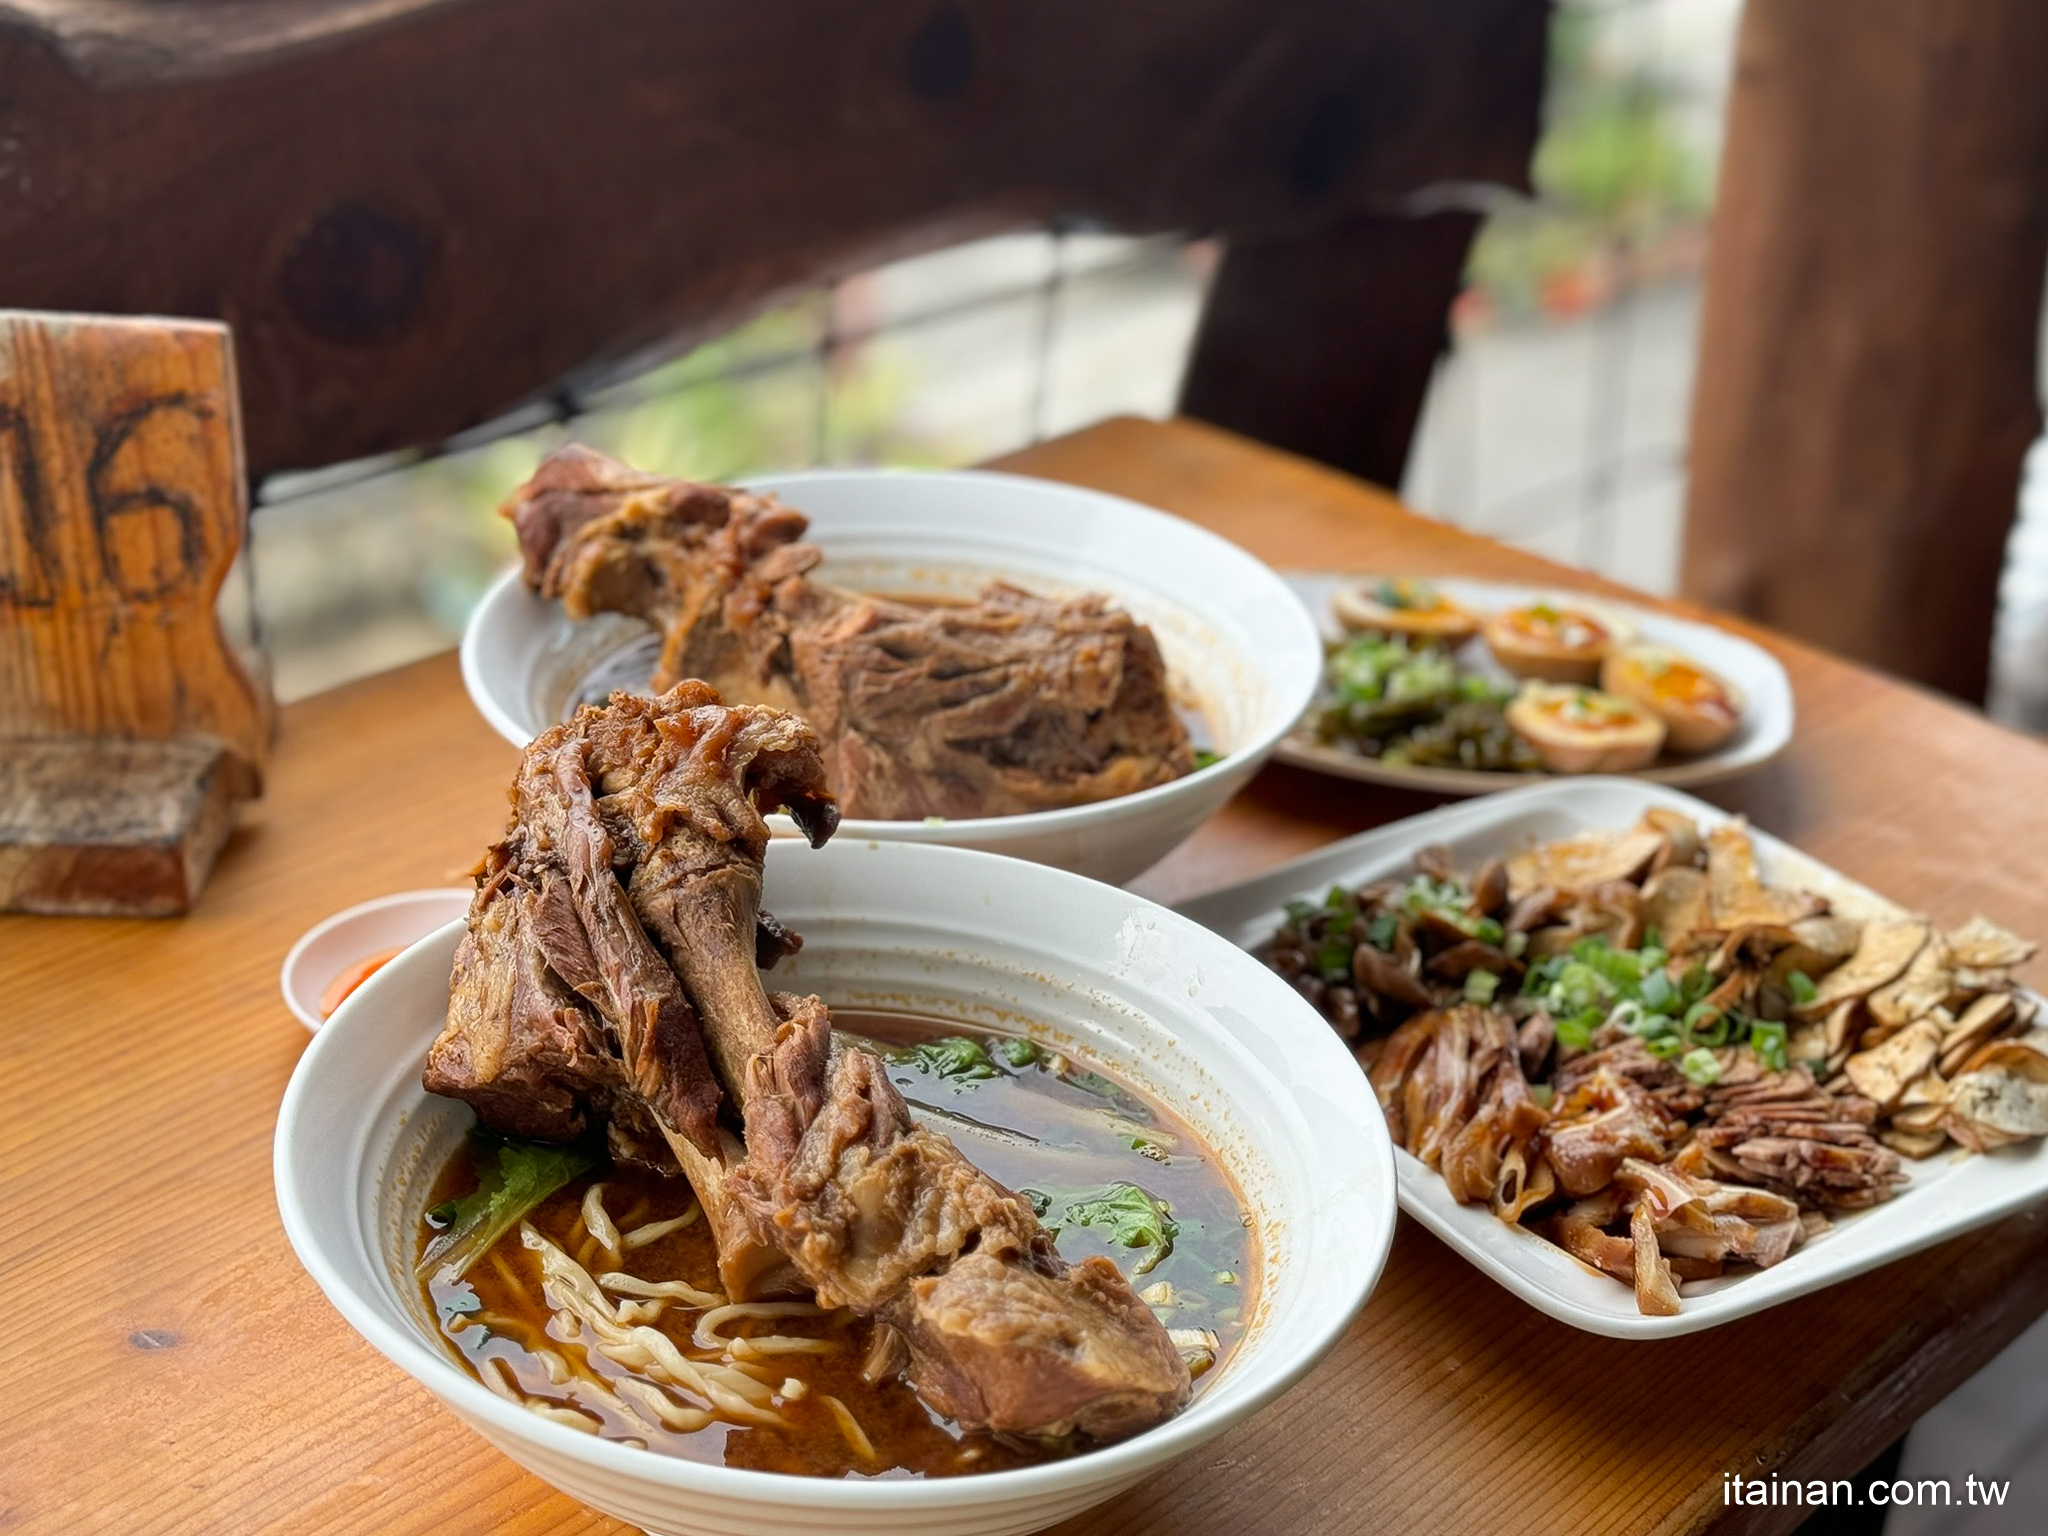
(128, 729)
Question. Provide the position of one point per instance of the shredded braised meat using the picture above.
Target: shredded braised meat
(1014, 702)
(610, 976)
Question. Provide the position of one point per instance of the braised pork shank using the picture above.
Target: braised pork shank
(1011, 703)
(609, 977)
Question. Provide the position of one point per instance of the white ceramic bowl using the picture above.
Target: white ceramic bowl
(1118, 981)
(355, 933)
(1240, 646)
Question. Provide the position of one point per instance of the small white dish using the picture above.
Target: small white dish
(355, 933)
(1767, 716)
(1948, 1195)
(1109, 977)
(1241, 651)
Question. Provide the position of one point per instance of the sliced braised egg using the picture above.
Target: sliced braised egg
(1700, 709)
(1554, 643)
(1581, 730)
(1404, 605)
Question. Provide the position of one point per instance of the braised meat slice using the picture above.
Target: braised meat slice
(1784, 1132)
(888, 1218)
(1011, 703)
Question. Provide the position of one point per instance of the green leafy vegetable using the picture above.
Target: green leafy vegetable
(954, 1057)
(1018, 1053)
(1204, 758)
(1801, 987)
(1480, 986)
(1130, 1216)
(513, 1177)
(1101, 1087)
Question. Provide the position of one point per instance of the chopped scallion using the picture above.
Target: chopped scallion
(1768, 1041)
(1701, 1066)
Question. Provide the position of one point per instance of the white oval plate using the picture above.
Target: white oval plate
(1948, 1194)
(1765, 731)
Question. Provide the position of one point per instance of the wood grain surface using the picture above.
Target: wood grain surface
(123, 501)
(171, 1369)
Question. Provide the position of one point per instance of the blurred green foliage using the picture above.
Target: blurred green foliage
(1614, 176)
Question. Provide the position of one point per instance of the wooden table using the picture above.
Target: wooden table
(165, 1365)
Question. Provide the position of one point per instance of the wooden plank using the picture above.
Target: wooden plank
(1873, 302)
(173, 1370)
(123, 502)
(111, 828)
(419, 215)
(128, 729)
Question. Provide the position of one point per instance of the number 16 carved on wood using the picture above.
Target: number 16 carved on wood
(122, 504)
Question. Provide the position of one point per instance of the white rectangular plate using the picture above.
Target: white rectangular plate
(1950, 1192)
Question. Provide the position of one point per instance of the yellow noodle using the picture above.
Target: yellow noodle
(719, 1385)
(557, 1368)
(516, 1329)
(655, 1231)
(511, 1278)
(598, 1222)
(575, 1418)
(505, 1386)
(591, 1387)
(497, 1375)
(672, 1290)
(849, 1426)
(662, 1406)
(780, 1344)
(569, 1288)
(706, 1333)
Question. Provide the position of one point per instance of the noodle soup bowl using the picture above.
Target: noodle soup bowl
(1113, 981)
(1242, 652)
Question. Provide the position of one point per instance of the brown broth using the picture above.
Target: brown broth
(1032, 1127)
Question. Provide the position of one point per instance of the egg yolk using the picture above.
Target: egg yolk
(1585, 710)
(1411, 597)
(1558, 626)
(1679, 682)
